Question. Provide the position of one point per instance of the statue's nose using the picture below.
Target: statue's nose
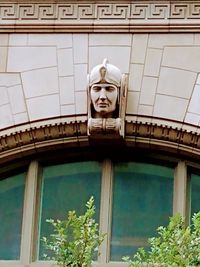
(102, 93)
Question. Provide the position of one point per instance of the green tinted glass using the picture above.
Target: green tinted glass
(11, 209)
(68, 187)
(142, 200)
(195, 193)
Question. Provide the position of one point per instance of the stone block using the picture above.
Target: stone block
(3, 58)
(148, 91)
(18, 39)
(194, 106)
(61, 40)
(139, 47)
(192, 118)
(80, 77)
(4, 37)
(176, 82)
(3, 96)
(132, 102)
(6, 118)
(9, 79)
(17, 100)
(65, 62)
(135, 77)
(67, 110)
(81, 102)
(118, 56)
(170, 39)
(20, 118)
(110, 39)
(145, 110)
(43, 107)
(66, 90)
(40, 82)
(186, 58)
(28, 58)
(80, 48)
(152, 63)
(170, 107)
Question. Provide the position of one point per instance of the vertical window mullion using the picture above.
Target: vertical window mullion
(106, 209)
(180, 189)
(29, 213)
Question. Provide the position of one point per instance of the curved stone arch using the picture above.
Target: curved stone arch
(72, 132)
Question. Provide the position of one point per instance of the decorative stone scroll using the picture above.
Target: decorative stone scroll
(107, 93)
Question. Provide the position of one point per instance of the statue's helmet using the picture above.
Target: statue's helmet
(105, 73)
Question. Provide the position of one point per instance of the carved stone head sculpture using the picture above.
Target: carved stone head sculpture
(104, 84)
(106, 88)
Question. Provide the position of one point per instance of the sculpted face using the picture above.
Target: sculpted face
(104, 99)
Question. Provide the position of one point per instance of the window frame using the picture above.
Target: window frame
(28, 251)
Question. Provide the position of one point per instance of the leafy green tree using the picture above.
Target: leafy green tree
(75, 239)
(175, 246)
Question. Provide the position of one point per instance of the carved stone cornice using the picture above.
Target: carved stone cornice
(99, 16)
(35, 139)
(163, 137)
(49, 136)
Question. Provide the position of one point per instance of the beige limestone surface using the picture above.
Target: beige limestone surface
(45, 75)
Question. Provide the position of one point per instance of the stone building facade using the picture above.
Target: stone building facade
(47, 49)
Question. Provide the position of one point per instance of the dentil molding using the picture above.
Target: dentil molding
(99, 16)
(49, 136)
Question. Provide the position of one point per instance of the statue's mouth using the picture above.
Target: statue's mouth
(102, 105)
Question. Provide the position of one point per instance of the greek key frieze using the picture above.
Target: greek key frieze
(179, 11)
(64, 16)
(99, 11)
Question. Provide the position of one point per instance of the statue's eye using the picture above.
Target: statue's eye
(110, 89)
(96, 88)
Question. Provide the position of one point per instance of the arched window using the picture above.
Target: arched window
(133, 196)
